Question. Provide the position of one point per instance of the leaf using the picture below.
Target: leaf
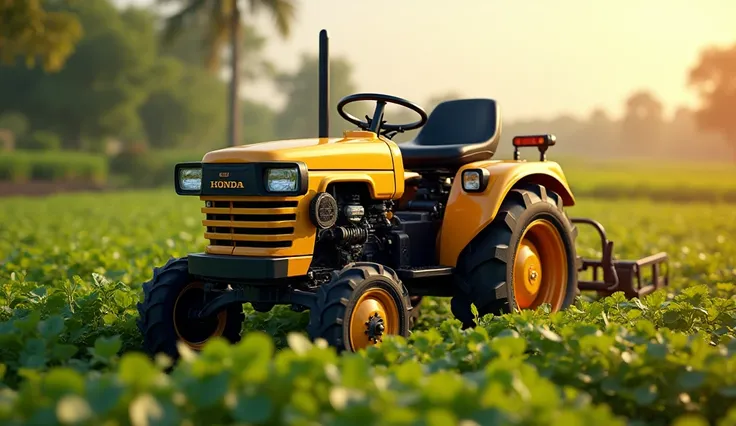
(253, 409)
(103, 394)
(107, 347)
(355, 372)
(645, 395)
(62, 352)
(61, 381)
(51, 327)
(146, 410)
(299, 343)
(689, 380)
(549, 334)
(208, 391)
(690, 420)
(137, 370)
(73, 409)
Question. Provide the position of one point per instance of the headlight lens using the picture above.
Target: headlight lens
(282, 180)
(190, 179)
(471, 180)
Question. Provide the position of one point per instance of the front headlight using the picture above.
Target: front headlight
(282, 179)
(190, 178)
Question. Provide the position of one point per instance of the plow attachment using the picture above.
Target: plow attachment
(610, 275)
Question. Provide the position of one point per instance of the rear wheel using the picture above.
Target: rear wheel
(524, 258)
(164, 312)
(363, 303)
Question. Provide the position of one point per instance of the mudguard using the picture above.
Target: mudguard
(467, 213)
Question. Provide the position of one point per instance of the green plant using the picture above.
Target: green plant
(71, 267)
(40, 140)
(56, 166)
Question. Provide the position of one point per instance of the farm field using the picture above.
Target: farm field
(71, 267)
(661, 181)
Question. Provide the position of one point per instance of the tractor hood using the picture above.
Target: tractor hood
(357, 150)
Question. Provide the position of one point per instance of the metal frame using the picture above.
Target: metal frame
(621, 275)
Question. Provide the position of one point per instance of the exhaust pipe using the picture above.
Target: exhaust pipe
(324, 84)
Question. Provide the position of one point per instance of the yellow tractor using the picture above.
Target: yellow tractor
(358, 229)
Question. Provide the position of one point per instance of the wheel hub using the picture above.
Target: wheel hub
(540, 274)
(374, 328)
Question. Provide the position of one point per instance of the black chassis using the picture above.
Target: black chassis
(263, 283)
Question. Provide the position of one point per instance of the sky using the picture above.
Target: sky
(537, 58)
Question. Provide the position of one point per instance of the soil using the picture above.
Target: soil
(42, 188)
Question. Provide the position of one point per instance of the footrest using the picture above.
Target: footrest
(424, 272)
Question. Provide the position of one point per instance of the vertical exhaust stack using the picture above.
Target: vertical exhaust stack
(324, 84)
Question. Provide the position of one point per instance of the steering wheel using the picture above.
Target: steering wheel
(377, 124)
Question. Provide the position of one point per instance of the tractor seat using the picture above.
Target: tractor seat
(457, 132)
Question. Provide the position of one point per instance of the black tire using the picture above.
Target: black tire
(487, 263)
(336, 301)
(156, 322)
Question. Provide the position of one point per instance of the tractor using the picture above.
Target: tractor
(358, 229)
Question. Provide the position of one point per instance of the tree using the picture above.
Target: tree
(224, 23)
(643, 123)
(110, 75)
(31, 31)
(186, 112)
(714, 78)
(299, 118)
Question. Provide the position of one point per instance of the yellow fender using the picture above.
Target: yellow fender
(468, 213)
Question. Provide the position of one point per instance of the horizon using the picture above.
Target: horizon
(645, 52)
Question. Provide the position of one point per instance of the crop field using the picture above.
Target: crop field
(71, 267)
(671, 181)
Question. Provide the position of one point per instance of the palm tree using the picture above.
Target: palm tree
(222, 18)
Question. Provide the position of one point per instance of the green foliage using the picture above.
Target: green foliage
(150, 169)
(102, 84)
(121, 83)
(15, 122)
(70, 275)
(56, 166)
(40, 140)
(298, 119)
(662, 181)
(33, 29)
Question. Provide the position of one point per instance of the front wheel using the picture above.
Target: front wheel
(164, 312)
(361, 305)
(525, 257)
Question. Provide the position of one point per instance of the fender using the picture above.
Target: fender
(467, 214)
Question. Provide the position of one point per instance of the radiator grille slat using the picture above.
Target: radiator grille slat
(256, 224)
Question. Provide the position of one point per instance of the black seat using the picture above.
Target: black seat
(457, 132)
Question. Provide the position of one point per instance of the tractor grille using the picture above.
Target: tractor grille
(254, 224)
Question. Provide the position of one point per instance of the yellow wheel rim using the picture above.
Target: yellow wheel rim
(193, 332)
(375, 315)
(540, 267)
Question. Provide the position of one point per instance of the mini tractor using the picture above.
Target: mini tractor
(359, 229)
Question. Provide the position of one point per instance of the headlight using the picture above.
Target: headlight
(282, 180)
(475, 180)
(189, 178)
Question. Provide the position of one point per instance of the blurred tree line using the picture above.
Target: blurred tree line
(118, 78)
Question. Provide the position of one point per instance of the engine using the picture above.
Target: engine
(353, 227)
(360, 231)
